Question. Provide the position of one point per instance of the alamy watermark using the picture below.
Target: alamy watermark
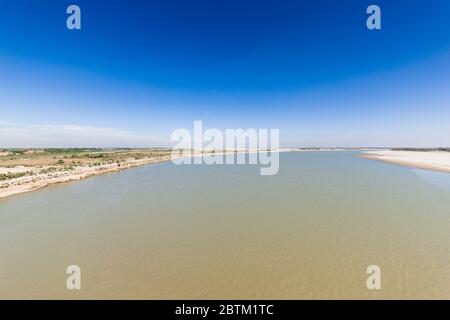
(232, 146)
(73, 281)
(374, 280)
(374, 20)
(73, 21)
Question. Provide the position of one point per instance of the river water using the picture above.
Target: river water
(225, 232)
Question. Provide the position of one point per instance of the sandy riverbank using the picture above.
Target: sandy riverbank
(429, 160)
(41, 180)
(38, 177)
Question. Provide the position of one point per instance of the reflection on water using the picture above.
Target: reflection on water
(166, 231)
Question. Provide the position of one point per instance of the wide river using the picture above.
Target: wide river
(225, 232)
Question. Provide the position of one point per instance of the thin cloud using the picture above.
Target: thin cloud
(69, 136)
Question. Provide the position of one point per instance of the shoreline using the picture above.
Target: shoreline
(39, 181)
(438, 161)
(428, 160)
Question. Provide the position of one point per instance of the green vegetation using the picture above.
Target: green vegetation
(422, 149)
(48, 170)
(70, 150)
(53, 160)
(96, 156)
(8, 176)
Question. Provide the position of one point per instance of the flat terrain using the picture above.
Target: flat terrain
(23, 170)
(56, 157)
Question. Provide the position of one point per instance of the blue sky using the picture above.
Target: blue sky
(140, 69)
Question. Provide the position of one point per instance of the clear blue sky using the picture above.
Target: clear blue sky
(140, 69)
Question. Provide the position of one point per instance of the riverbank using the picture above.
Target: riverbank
(29, 170)
(33, 180)
(428, 160)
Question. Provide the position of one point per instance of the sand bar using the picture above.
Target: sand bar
(429, 160)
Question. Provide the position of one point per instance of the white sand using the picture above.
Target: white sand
(40, 180)
(429, 160)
